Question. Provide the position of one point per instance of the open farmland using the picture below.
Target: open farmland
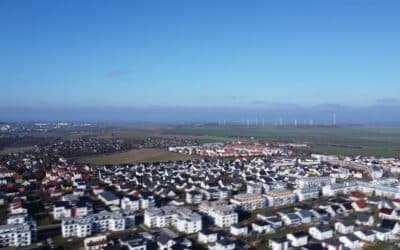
(8, 150)
(135, 155)
(348, 140)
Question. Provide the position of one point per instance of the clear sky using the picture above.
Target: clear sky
(198, 53)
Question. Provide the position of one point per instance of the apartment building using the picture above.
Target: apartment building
(194, 197)
(280, 197)
(95, 223)
(223, 215)
(137, 202)
(15, 235)
(160, 217)
(307, 193)
(187, 221)
(249, 202)
(313, 181)
(183, 219)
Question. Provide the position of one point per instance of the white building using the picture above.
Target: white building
(76, 227)
(321, 232)
(100, 222)
(279, 244)
(351, 241)
(249, 202)
(339, 188)
(363, 187)
(222, 214)
(75, 208)
(280, 197)
(160, 217)
(297, 239)
(239, 230)
(207, 236)
(183, 219)
(254, 187)
(130, 203)
(20, 230)
(313, 181)
(194, 197)
(344, 227)
(15, 235)
(307, 193)
(109, 198)
(187, 221)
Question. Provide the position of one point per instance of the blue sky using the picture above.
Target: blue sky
(199, 53)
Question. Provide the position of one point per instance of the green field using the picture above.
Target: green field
(347, 140)
(135, 155)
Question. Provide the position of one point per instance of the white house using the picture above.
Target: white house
(351, 241)
(305, 216)
(279, 244)
(238, 230)
(261, 227)
(222, 244)
(344, 227)
(365, 219)
(290, 219)
(383, 234)
(321, 232)
(207, 236)
(297, 239)
(365, 235)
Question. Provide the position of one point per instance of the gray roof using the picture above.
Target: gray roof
(108, 196)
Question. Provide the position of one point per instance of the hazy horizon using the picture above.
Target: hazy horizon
(323, 114)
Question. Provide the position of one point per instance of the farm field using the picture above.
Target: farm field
(8, 150)
(347, 140)
(135, 155)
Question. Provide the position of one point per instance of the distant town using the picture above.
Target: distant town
(239, 194)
